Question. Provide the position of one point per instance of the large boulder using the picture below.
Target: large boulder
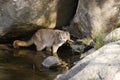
(104, 63)
(96, 17)
(19, 16)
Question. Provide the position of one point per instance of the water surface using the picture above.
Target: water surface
(25, 64)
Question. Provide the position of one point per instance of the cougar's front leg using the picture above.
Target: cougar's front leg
(61, 63)
(54, 50)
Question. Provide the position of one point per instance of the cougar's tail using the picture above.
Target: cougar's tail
(18, 43)
(29, 42)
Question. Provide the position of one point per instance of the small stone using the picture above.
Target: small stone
(14, 0)
(50, 61)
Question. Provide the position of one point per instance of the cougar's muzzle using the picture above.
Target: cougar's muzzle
(70, 41)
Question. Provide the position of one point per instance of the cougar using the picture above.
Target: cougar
(51, 39)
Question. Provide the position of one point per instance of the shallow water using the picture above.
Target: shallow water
(25, 64)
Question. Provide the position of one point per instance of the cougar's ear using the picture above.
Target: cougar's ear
(67, 33)
(60, 36)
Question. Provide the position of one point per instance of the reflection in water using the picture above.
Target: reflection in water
(23, 64)
(22, 74)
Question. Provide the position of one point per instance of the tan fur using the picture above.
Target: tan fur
(46, 38)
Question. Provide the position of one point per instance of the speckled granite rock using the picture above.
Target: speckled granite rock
(99, 65)
(21, 16)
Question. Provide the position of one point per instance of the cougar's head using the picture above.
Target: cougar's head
(69, 40)
(65, 36)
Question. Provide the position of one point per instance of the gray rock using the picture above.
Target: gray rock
(89, 52)
(50, 61)
(103, 64)
(46, 13)
(93, 17)
(77, 47)
(113, 36)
